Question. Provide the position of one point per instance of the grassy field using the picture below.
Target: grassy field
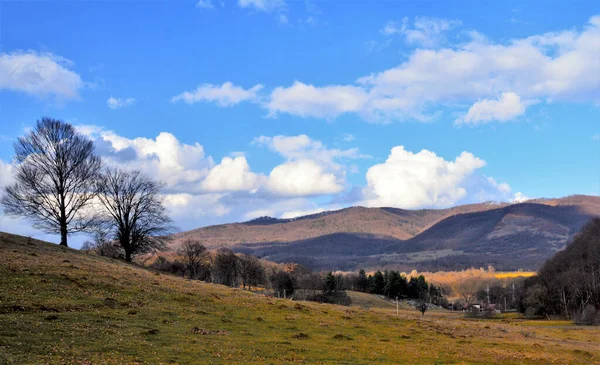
(60, 306)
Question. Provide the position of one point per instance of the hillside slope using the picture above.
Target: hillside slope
(510, 237)
(390, 222)
(61, 306)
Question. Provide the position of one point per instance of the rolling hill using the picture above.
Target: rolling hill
(507, 236)
(63, 306)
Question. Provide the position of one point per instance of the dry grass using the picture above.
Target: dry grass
(60, 306)
(513, 274)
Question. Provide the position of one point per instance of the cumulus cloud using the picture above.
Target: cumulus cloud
(303, 178)
(116, 103)
(415, 180)
(311, 167)
(519, 198)
(302, 146)
(232, 174)
(507, 107)
(223, 95)
(560, 67)
(39, 74)
(317, 102)
(182, 166)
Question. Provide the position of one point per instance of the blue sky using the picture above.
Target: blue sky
(273, 107)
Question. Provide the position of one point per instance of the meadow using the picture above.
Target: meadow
(61, 306)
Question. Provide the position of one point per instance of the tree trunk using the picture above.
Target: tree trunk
(63, 234)
(127, 255)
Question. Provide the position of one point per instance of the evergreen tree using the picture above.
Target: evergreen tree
(378, 283)
(330, 282)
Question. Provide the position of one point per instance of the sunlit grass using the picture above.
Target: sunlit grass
(59, 306)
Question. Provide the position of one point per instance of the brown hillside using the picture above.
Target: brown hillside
(389, 222)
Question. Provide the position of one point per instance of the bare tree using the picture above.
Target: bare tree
(134, 211)
(251, 271)
(102, 245)
(225, 267)
(55, 171)
(194, 257)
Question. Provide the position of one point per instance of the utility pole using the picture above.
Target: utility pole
(488, 293)
(396, 306)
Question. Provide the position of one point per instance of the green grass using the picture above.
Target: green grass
(54, 310)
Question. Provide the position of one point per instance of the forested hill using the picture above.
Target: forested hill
(504, 235)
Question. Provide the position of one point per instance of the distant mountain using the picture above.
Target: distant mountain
(392, 222)
(507, 236)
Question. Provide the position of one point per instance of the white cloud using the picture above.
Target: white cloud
(303, 178)
(262, 5)
(507, 107)
(205, 4)
(232, 174)
(415, 180)
(560, 67)
(394, 27)
(185, 207)
(302, 146)
(311, 167)
(182, 166)
(6, 174)
(39, 74)
(318, 102)
(116, 103)
(259, 213)
(426, 31)
(301, 213)
(223, 95)
(519, 198)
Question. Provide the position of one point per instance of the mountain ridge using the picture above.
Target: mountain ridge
(508, 236)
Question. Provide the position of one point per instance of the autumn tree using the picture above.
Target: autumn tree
(55, 173)
(134, 211)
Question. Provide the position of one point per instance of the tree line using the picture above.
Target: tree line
(62, 187)
(568, 284)
(393, 284)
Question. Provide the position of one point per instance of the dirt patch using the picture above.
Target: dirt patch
(205, 332)
(340, 336)
(110, 303)
(300, 336)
